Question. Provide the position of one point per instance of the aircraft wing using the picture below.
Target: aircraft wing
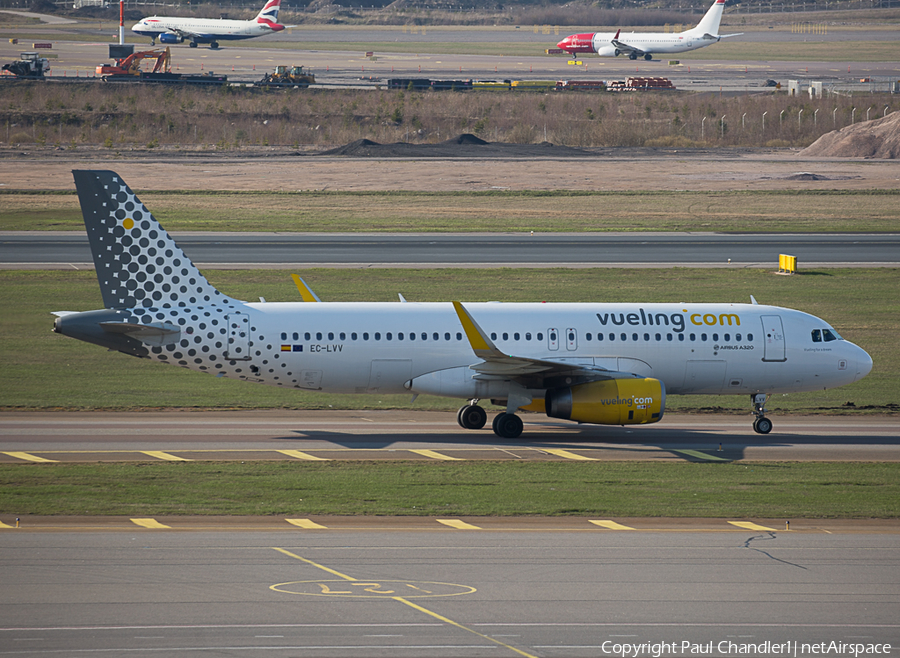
(625, 48)
(725, 36)
(187, 34)
(527, 371)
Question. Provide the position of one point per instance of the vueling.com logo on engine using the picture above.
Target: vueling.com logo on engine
(677, 321)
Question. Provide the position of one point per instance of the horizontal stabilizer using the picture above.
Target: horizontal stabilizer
(157, 333)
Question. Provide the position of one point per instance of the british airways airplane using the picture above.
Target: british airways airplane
(171, 29)
(645, 44)
(608, 364)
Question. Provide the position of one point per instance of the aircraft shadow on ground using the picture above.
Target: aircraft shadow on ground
(610, 442)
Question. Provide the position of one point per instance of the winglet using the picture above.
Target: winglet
(306, 292)
(481, 344)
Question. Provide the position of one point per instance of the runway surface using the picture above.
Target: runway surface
(446, 592)
(378, 435)
(226, 250)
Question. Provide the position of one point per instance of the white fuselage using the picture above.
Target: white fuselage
(209, 28)
(422, 347)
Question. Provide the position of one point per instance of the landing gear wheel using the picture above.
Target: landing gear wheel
(618, 52)
(214, 45)
(648, 57)
(507, 426)
(193, 44)
(632, 56)
(762, 425)
(471, 417)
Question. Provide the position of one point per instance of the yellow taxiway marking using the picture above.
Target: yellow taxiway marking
(306, 524)
(28, 457)
(436, 455)
(612, 525)
(159, 454)
(415, 606)
(559, 452)
(149, 523)
(698, 454)
(297, 454)
(748, 525)
(459, 525)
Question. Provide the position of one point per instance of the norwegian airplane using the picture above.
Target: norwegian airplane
(171, 29)
(645, 44)
(608, 364)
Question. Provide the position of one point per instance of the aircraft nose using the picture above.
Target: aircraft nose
(863, 364)
(564, 44)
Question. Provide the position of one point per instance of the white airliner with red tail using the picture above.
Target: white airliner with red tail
(171, 29)
(608, 364)
(646, 44)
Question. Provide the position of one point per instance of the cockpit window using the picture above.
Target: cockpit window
(830, 335)
(817, 335)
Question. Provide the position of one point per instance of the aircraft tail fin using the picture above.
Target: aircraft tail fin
(709, 24)
(138, 264)
(269, 13)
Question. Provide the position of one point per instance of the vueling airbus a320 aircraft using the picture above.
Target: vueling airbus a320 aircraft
(609, 364)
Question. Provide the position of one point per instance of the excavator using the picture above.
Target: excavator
(131, 65)
(285, 76)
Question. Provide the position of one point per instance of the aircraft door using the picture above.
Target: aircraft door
(773, 332)
(552, 340)
(571, 339)
(238, 347)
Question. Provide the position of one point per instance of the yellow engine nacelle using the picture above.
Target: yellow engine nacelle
(609, 402)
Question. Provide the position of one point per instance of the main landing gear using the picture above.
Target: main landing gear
(473, 417)
(761, 425)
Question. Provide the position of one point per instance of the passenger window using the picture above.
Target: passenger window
(750, 337)
(365, 335)
(424, 336)
(436, 336)
(330, 335)
(681, 337)
(634, 337)
(737, 338)
(599, 336)
(283, 336)
(296, 336)
(493, 335)
(343, 336)
(458, 336)
(318, 335)
(587, 336)
(400, 336)
(306, 336)
(389, 336)
(447, 336)
(727, 338)
(658, 337)
(528, 336)
(516, 336)
(715, 336)
(353, 336)
(505, 336)
(540, 335)
(703, 337)
(377, 335)
(669, 337)
(612, 336)
(693, 337)
(412, 336)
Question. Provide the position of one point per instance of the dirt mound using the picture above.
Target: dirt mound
(461, 146)
(871, 139)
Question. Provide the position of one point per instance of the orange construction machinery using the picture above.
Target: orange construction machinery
(131, 65)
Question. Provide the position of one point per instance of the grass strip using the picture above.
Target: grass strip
(815, 211)
(735, 490)
(43, 370)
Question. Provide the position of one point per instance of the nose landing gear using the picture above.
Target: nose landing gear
(761, 425)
